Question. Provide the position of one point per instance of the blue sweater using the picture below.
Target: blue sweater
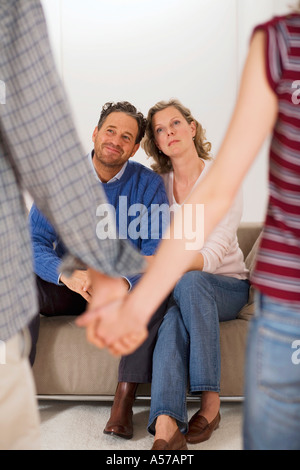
(137, 200)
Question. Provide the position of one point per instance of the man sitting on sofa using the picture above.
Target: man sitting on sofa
(130, 188)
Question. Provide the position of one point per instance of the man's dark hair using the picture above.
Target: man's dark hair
(130, 110)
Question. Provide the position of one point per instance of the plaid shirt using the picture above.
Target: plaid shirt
(40, 152)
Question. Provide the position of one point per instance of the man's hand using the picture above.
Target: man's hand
(79, 282)
(106, 290)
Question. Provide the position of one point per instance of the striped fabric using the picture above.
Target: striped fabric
(277, 271)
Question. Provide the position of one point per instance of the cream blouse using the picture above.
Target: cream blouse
(221, 251)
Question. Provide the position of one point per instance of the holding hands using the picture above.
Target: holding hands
(109, 320)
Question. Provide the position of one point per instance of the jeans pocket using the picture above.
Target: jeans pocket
(278, 375)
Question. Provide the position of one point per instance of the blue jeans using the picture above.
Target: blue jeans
(188, 344)
(272, 389)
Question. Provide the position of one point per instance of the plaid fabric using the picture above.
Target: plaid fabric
(40, 152)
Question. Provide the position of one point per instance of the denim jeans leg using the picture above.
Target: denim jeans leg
(170, 368)
(204, 300)
(272, 388)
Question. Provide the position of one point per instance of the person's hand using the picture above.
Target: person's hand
(79, 282)
(105, 290)
(115, 328)
(128, 344)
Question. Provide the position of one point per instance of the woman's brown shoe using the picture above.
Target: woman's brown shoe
(177, 442)
(199, 428)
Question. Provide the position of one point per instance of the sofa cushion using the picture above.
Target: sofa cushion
(248, 310)
(250, 260)
(66, 363)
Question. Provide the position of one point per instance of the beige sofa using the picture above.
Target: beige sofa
(68, 367)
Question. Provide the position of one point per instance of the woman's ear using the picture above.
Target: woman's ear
(193, 128)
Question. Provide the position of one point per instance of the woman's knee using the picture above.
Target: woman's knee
(192, 282)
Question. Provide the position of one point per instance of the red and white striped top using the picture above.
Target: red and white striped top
(277, 271)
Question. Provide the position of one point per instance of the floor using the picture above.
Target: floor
(75, 425)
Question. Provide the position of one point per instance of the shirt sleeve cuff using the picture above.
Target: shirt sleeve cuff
(129, 283)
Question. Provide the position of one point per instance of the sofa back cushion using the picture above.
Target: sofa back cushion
(249, 236)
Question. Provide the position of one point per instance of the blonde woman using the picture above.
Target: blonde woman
(214, 289)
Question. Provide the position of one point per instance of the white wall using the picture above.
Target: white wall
(144, 51)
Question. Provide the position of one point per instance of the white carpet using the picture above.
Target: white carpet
(69, 425)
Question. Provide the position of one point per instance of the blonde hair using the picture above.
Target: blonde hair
(162, 163)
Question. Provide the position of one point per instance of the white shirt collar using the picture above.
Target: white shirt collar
(117, 177)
